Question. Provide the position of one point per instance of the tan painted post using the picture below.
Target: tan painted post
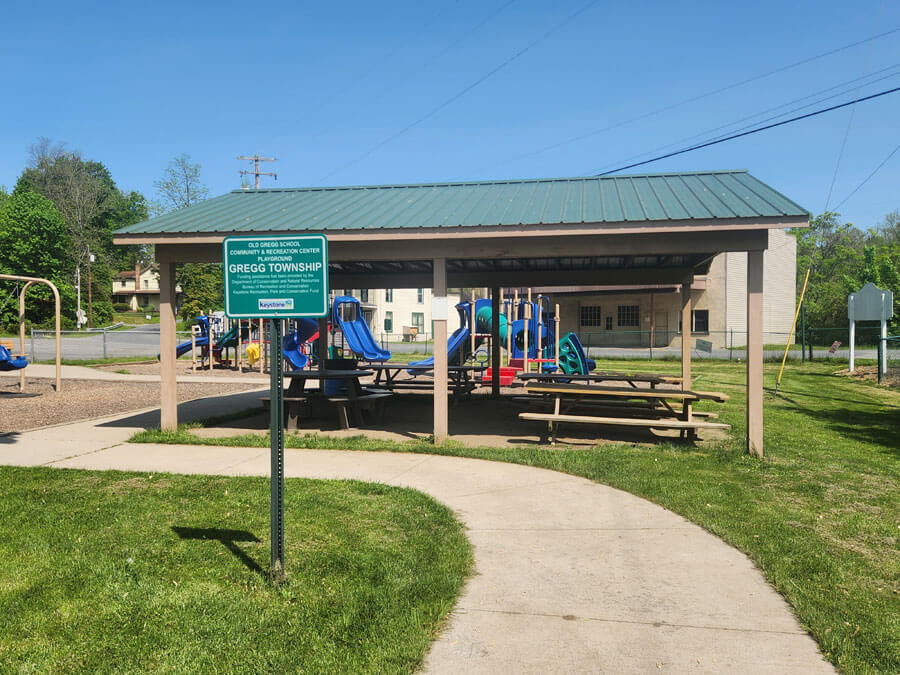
(441, 412)
(262, 349)
(167, 381)
(495, 341)
(237, 359)
(686, 335)
(556, 333)
(209, 343)
(525, 333)
(540, 325)
(652, 326)
(472, 324)
(193, 353)
(510, 318)
(755, 353)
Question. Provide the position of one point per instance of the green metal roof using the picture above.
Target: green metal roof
(608, 199)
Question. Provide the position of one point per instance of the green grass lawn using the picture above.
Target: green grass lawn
(126, 572)
(135, 318)
(820, 514)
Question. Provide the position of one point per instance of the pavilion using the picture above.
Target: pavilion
(646, 229)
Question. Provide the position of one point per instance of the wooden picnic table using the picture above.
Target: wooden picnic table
(349, 406)
(633, 379)
(568, 395)
(459, 377)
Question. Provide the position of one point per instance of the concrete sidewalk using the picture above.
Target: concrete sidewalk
(571, 575)
(48, 371)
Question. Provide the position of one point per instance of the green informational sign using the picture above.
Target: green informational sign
(276, 277)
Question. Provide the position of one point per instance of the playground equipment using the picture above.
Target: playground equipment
(19, 362)
(356, 331)
(456, 343)
(307, 330)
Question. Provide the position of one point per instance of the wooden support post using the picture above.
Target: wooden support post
(686, 334)
(510, 317)
(210, 341)
(262, 347)
(755, 353)
(238, 357)
(167, 381)
(652, 326)
(441, 412)
(473, 326)
(193, 353)
(556, 337)
(527, 331)
(540, 326)
(495, 342)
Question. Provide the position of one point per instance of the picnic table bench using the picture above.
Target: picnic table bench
(571, 395)
(459, 377)
(349, 405)
(633, 379)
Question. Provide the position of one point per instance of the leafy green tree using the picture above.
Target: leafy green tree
(34, 242)
(202, 285)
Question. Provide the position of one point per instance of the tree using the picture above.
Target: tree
(33, 242)
(202, 286)
(179, 187)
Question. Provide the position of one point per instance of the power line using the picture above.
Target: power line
(752, 131)
(693, 99)
(840, 156)
(463, 91)
(877, 169)
(854, 88)
(256, 173)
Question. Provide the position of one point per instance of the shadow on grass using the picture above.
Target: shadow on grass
(878, 427)
(228, 538)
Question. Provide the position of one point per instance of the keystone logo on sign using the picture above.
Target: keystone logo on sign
(286, 303)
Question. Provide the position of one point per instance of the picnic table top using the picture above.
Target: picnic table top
(316, 374)
(627, 392)
(603, 376)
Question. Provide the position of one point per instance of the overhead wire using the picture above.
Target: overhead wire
(462, 92)
(895, 67)
(869, 177)
(840, 156)
(692, 99)
(731, 137)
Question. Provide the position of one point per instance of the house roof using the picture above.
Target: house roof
(708, 195)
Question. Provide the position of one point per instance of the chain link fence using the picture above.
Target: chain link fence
(889, 351)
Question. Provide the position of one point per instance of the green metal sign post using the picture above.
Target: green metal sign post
(276, 278)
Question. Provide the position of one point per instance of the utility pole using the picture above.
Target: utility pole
(256, 159)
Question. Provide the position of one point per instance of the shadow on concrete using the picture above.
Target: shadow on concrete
(228, 538)
(9, 438)
(189, 411)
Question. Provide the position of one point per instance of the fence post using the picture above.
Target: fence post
(104, 343)
(881, 346)
(32, 345)
(731, 345)
(802, 332)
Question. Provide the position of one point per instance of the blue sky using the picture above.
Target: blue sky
(326, 89)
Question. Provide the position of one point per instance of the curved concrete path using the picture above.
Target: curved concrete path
(571, 575)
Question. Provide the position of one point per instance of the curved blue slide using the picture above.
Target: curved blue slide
(356, 331)
(456, 341)
(307, 329)
(7, 362)
(185, 347)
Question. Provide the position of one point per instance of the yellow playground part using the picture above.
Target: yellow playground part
(252, 353)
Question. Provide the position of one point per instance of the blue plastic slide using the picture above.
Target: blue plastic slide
(7, 362)
(185, 347)
(308, 329)
(356, 331)
(455, 344)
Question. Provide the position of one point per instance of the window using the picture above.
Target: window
(389, 295)
(700, 319)
(629, 316)
(590, 316)
(363, 294)
(609, 323)
(146, 283)
(420, 295)
(388, 322)
(348, 291)
(418, 320)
